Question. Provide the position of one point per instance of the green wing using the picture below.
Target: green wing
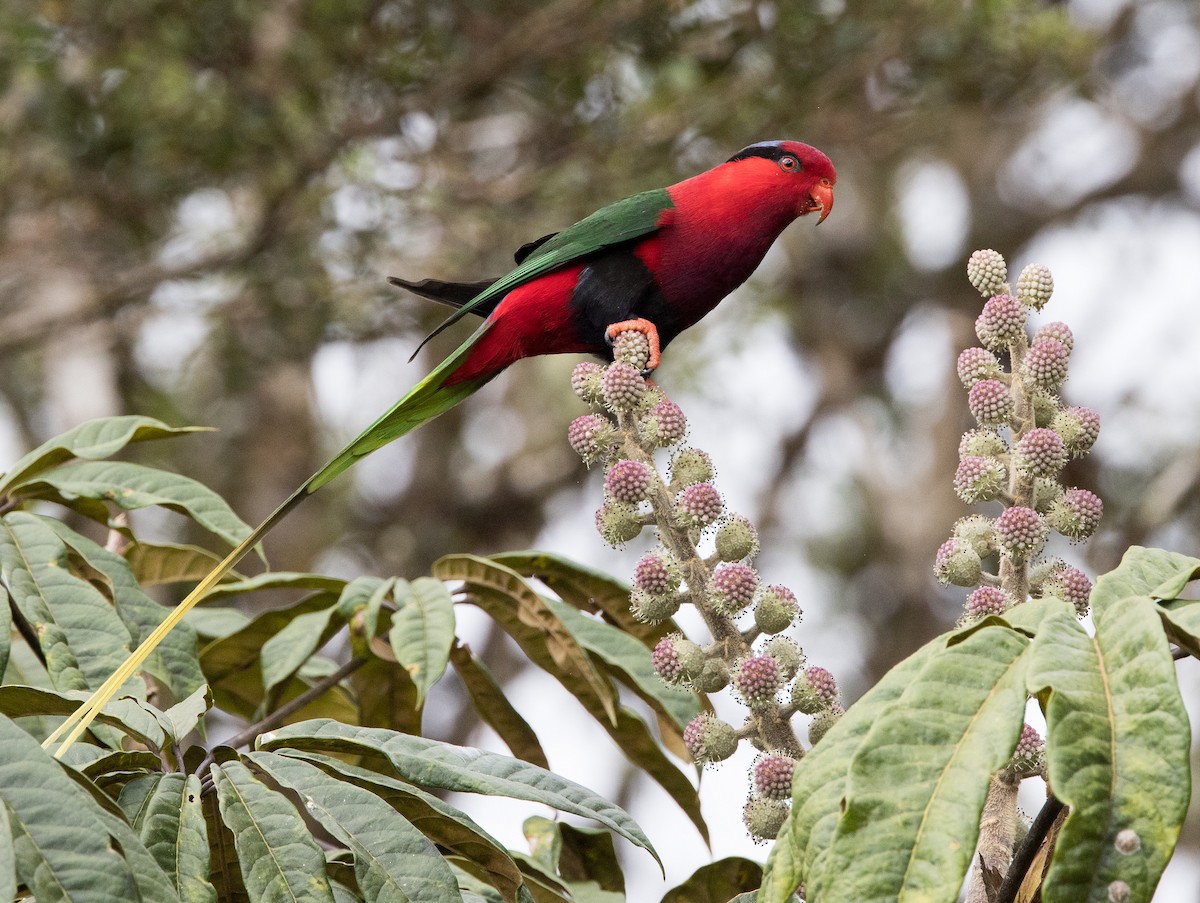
(615, 224)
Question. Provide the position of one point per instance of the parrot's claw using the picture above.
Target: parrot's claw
(646, 328)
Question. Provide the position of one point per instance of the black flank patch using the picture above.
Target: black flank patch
(616, 286)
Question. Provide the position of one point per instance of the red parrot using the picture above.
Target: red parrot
(656, 262)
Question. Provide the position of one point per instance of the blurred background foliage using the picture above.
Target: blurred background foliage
(199, 203)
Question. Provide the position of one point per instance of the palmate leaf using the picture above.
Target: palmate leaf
(444, 766)
(422, 631)
(588, 590)
(225, 872)
(1118, 737)
(103, 767)
(277, 580)
(62, 847)
(393, 861)
(448, 827)
(155, 564)
(538, 626)
(81, 636)
(630, 661)
(131, 716)
(8, 858)
(133, 486)
(184, 717)
(523, 614)
(174, 661)
(279, 860)
(92, 440)
(173, 830)
(6, 631)
(494, 708)
(385, 697)
(585, 859)
(151, 883)
(820, 781)
(283, 654)
(718, 882)
(233, 662)
(917, 783)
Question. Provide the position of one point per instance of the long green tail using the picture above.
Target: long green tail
(425, 401)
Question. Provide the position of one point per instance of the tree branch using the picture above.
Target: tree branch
(281, 714)
(1027, 850)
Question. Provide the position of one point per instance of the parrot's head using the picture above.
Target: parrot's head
(800, 171)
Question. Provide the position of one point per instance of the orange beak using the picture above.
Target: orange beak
(821, 198)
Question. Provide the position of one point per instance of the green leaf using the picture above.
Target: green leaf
(6, 634)
(640, 746)
(151, 883)
(225, 872)
(588, 590)
(1026, 617)
(185, 715)
(631, 662)
(494, 708)
(1118, 737)
(1151, 573)
(535, 623)
(81, 636)
(1181, 620)
(524, 615)
(448, 767)
(473, 889)
(717, 882)
(393, 861)
(8, 858)
(279, 859)
(284, 653)
(61, 847)
(233, 662)
(133, 486)
(448, 827)
(133, 717)
(213, 623)
(585, 859)
(364, 592)
(155, 564)
(92, 440)
(103, 765)
(385, 696)
(135, 797)
(422, 631)
(173, 830)
(820, 782)
(275, 580)
(174, 660)
(917, 783)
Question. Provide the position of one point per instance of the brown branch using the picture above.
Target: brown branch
(1028, 849)
(278, 716)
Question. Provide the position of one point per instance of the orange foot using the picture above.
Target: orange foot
(646, 328)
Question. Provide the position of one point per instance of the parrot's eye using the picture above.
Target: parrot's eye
(789, 164)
